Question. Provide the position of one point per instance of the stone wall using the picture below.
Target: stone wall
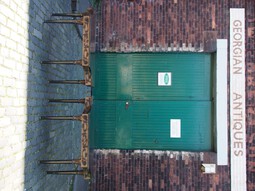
(24, 93)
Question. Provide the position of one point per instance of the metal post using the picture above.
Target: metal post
(84, 118)
(75, 161)
(61, 118)
(88, 102)
(69, 62)
(68, 100)
(87, 76)
(67, 82)
(77, 22)
(69, 172)
(67, 14)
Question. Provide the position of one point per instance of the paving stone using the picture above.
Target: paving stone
(25, 42)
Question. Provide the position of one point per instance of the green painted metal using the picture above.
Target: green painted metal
(104, 70)
(110, 125)
(146, 125)
(132, 111)
(135, 76)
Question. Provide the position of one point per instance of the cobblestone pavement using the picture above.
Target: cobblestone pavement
(24, 93)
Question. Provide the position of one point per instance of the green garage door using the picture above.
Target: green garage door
(152, 101)
(137, 76)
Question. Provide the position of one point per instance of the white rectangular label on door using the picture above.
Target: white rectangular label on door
(175, 128)
(164, 78)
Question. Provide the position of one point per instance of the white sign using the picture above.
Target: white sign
(175, 128)
(222, 102)
(164, 78)
(208, 168)
(237, 100)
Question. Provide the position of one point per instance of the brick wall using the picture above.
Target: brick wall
(174, 25)
(154, 170)
(24, 93)
(250, 92)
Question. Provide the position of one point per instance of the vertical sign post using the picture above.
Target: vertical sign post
(237, 100)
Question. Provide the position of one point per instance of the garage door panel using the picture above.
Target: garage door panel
(190, 77)
(135, 76)
(151, 125)
(146, 125)
(103, 124)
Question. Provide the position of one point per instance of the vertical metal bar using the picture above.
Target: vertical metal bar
(88, 102)
(69, 62)
(87, 76)
(67, 14)
(69, 172)
(77, 22)
(61, 117)
(67, 82)
(68, 100)
(75, 161)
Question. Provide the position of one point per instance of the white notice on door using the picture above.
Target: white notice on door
(175, 128)
(164, 78)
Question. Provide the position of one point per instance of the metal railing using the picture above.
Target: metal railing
(84, 20)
